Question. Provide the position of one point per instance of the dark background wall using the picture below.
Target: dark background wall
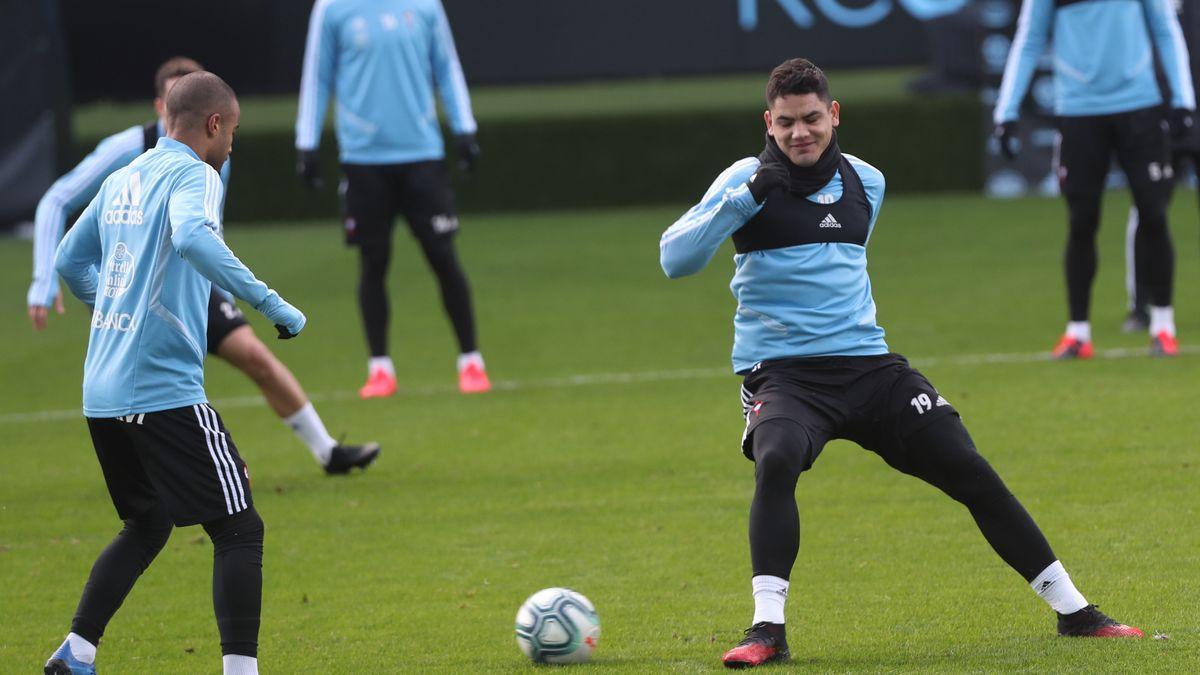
(257, 45)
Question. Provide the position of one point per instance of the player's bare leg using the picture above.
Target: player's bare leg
(283, 393)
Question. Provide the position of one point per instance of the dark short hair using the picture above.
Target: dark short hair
(195, 97)
(177, 66)
(797, 76)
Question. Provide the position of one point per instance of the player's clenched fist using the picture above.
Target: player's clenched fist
(768, 177)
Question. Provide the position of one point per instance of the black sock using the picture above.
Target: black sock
(116, 570)
(237, 580)
(944, 455)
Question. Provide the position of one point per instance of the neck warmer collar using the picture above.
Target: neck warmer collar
(805, 180)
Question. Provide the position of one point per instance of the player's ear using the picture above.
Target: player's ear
(767, 119)
(213, 124)
(835, 112)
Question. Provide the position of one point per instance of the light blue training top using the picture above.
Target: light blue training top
(805, 300)
(382, 60)
(145, 254)
(1102, 54)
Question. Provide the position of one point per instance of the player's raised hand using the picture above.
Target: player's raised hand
(468, 152)
(39, 313)
(1006, 136)
(769, 176)
(308, 168)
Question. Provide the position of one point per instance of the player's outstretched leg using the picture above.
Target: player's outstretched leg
(113, 575)
(944, 455)
(782, 450)
(237, 587)
(283, 393)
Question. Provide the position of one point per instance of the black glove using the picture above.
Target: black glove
(284, 333)
(468, 152)
(308, 168)
(1181, 121)
(768, 177)
(1006, 136)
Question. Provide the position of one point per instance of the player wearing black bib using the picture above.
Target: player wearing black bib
(814, 362)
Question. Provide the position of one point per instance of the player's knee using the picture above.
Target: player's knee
(150, 531)
(374, 261)
(944, 455)
(780, 451)
(244, 529)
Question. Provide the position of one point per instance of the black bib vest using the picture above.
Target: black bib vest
(149, 135)
(787, 219)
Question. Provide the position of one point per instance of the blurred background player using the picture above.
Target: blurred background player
(229, 335)
(815, 363)
(1108, 101)
(1185, 148)
(145, 255)
(382, 60)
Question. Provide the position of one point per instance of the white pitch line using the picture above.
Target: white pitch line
(593, 379)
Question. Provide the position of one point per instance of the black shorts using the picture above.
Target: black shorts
(1139, 139)
(183, 459)
(223, 318)
(875, 401)
(374, 194)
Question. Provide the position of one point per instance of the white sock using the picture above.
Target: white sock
(770, 593)
(383, 363)
(467, 358)
(1080, 330)
(308, 426)
(236, 664)
(1162, 319)
(1054, 586)
(81, 648)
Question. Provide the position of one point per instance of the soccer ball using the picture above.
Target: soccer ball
(557, 625)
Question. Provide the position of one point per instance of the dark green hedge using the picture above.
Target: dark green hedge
(921, 144)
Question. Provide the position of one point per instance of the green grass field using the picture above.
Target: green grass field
(607, 461)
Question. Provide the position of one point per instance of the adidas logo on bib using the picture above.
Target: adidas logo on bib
(830, 221)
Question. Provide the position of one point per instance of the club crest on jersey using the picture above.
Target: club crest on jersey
(125, 205)
(119, 271)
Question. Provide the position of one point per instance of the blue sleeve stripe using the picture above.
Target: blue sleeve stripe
(307, 135)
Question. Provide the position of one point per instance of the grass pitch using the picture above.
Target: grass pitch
(607, 461)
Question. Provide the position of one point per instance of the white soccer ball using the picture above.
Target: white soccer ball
(557, 625)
